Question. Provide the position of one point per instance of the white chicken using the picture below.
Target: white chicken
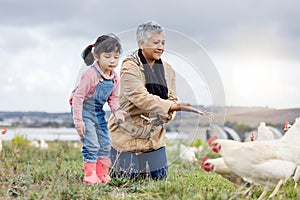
(266, 163)
(263, 133)
(188, 153)
(43, 144)
(218, 165)
(34, 143)
(2, 132)
(296, 176)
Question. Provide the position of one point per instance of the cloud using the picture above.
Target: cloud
(41, 43)
(38, 72)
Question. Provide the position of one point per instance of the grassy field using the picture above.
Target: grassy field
(30, 173)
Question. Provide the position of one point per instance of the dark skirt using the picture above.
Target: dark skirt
(151, 164)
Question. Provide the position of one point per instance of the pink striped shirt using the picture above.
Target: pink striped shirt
(86, 89)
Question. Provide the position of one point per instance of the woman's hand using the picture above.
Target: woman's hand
(120, 116)
(81, 131)
(185, 107)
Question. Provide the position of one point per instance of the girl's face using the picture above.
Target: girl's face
(154, 47)
(108, 61)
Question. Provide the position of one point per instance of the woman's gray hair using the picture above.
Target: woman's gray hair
(147, 29)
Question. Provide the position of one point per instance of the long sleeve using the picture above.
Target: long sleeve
(113, 99)
(85, 89)
(172, 96)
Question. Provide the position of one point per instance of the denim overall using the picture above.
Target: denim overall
(96, 141)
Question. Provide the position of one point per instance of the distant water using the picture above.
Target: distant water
(48, 134)
(64, 134)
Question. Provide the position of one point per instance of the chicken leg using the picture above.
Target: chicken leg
(276, 190)
(297, 175)
(247, 192)
(266, 189)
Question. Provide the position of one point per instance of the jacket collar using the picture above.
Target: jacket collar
(133, 56)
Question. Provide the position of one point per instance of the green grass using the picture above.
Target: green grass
(30, 173)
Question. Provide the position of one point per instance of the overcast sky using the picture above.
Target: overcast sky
(254, 45)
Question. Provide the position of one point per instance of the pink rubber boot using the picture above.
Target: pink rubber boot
(90, 176)
(102, 169)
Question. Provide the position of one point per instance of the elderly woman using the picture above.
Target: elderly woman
(148, 95)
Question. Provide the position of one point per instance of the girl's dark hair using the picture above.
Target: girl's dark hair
(104, 43)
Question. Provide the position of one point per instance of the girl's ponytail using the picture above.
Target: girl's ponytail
(87, 55)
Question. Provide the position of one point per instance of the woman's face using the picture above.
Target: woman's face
(154, 47)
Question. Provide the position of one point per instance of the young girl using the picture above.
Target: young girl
(98, 85)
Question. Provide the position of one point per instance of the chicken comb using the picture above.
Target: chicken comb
(252, 137)
(3, 130)
(204, 160)
(286, 123)
(286, 126)
(213, 138)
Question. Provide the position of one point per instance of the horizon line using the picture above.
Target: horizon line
(231, 106)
